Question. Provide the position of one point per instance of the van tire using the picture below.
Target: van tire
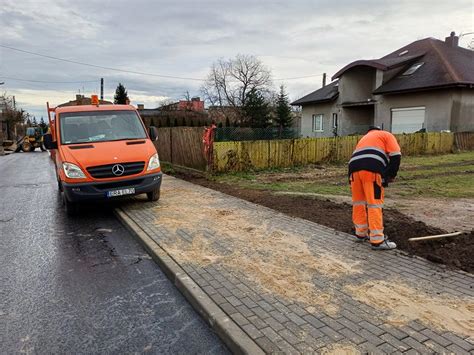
(153, 195)
(70, 207)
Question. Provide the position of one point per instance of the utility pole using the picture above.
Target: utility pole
(101, 89)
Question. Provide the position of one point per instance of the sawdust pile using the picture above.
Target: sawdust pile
(245, 240)
(405, 304)
(340, 349)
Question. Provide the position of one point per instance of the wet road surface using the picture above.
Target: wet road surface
(81, 285)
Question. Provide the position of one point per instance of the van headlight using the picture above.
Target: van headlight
(72, 171)
(154, 162)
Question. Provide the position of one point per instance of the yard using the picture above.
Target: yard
(432, 195)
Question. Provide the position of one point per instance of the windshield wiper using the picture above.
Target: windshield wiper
(124, 139)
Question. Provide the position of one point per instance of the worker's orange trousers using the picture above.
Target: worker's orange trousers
(367, 205)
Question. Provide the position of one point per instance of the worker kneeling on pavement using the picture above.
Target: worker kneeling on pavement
(374, 163)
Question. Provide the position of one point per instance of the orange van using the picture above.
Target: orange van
(102, 152)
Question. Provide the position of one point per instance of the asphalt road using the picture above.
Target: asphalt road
(81, 285)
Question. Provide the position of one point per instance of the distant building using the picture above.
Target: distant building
(82, 100)
(195, 104)
(426, 85)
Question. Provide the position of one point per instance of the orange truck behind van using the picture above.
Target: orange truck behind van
(102, 152)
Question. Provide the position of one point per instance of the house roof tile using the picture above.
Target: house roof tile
(325, 94)
(443, 66)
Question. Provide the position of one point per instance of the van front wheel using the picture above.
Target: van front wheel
(153, 195)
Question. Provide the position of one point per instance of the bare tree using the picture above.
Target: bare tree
(14, 118)
(229, 81)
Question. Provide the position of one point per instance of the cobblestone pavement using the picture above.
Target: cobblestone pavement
(295, 286)
(82, 285)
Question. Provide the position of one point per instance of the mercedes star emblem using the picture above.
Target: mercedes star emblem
(118, 169)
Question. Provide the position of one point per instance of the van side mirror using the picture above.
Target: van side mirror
(153, 133)
(48, 142)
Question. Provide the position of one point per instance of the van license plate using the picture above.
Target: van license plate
(122, 192)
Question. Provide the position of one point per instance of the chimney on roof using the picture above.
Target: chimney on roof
(324, 79)
(452, 40)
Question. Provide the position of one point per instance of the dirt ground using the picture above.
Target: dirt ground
(454, 252)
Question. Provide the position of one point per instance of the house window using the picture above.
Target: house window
(318, 123)
(334, 120)
(413, 69)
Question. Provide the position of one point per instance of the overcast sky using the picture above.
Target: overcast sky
(182, 38)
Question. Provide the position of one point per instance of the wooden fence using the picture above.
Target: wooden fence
(181, 146)
(247, 155)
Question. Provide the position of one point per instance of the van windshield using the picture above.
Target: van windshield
(100, 126)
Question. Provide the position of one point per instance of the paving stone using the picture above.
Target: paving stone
(278, 316)
(289, 337)
(370, 337)
(287, 348)
(352, 336)
(331, 333)
(276, 325)
(459, 341)
(271, 334)
(313, 321)
(371, 328)
(252, 331)
(369, 348)
(240, 319)
(414, 334)
(234, 301)
(396, 332)
(332, 323)
(257, 322)
(228, 308)
(416, 345)
(435, 347)
(386, 348)
(312, 331)
(218, 298)
(395, 342)
(209, 290)
(436, 337)
(244, 310)
(296, 319)
(248, 302)
(224, 292)
(298, 310)
(260, 312)
(266, 306)
(457, 350)
(267, 345)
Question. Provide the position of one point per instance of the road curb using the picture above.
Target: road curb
(230, 333)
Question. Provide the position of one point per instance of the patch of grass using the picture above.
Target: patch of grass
(449, 175)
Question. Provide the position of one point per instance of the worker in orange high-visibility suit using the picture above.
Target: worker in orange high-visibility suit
(374, 163)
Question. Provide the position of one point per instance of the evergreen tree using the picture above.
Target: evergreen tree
(256, 110)
(168, 121)
(220, 125)
(227, 122)
(43, 125)
(176, 122)
(34, 122)
(284, 117)
(191, 124)
(121, 95)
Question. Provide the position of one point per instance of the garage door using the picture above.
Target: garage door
(408, 120)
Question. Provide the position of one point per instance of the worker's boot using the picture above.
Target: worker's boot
(385, 245)
(361, 239)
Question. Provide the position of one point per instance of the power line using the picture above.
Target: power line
(131, 71)
(99, 66)
(49, 82)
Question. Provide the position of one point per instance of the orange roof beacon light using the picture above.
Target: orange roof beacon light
(95, 100)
